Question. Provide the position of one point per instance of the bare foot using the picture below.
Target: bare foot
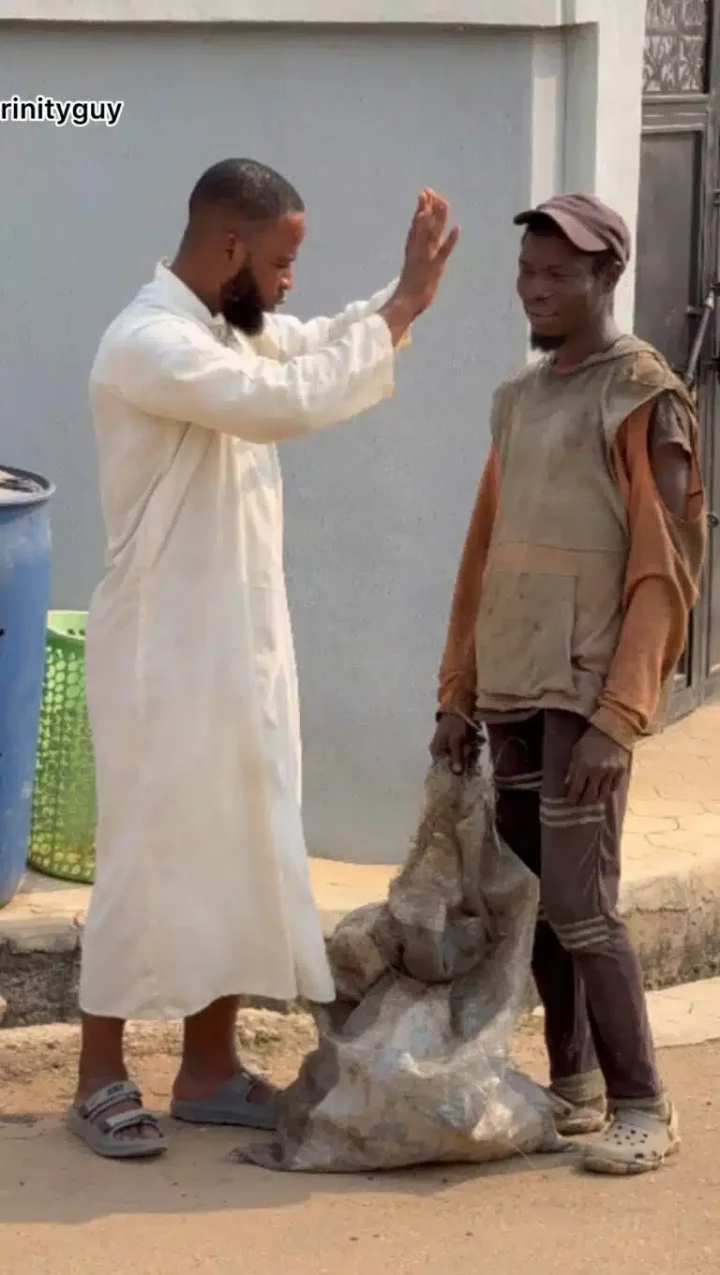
(88, 1088)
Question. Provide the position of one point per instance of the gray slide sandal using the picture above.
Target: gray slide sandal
(228, 1105)
(100, 1132)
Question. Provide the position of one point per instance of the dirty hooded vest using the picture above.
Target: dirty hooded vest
(552, 596)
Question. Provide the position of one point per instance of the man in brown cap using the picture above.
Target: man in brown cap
(569, 616)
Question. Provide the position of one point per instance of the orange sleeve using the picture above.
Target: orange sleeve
(661, 583)
(457, 679)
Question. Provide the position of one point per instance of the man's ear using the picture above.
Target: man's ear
(612, 273)
(235, 250)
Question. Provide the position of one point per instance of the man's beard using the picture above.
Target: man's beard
(546, 344)
(241, 303)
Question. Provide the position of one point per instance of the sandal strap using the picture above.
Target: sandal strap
(128, 1120)
(252, 1078)
(103, 1099)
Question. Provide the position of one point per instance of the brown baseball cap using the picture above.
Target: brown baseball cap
(587, 222)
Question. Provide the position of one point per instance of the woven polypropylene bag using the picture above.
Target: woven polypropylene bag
(413, 1060)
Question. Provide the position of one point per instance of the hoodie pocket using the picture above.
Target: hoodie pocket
(524, 634)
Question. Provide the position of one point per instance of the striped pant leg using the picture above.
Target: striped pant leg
(580, 881)
(517, 754)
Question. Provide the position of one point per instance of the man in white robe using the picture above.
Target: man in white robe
(202, 889)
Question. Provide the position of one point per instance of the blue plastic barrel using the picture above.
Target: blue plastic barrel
(24, 600)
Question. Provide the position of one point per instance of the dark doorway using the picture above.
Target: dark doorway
(678, 260)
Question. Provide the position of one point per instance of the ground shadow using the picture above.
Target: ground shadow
(47, 1176)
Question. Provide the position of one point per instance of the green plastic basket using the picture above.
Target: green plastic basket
(62, 836)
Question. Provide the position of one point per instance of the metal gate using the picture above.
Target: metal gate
(678, 262)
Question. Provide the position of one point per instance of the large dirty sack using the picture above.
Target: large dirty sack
(412, 1065)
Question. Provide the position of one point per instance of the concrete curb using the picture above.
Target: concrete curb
(674, 920)
(679, 1016)
(674, 923)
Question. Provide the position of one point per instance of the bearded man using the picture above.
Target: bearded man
(202, 889)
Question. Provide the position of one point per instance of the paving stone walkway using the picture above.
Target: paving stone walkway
(672, 825)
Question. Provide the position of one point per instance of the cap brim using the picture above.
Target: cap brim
(572, 229)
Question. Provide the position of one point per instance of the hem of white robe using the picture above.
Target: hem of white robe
(129, 1009)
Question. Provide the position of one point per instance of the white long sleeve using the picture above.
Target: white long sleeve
(172, 369)
(291, 337)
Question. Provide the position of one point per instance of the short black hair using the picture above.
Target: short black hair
(540, 224)
(247, 187)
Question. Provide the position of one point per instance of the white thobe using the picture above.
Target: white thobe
(202, 885)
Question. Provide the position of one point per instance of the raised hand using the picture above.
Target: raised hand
(427, 250)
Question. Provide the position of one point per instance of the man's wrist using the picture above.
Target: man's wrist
(458, 712)
(615, 727)
(399, 314)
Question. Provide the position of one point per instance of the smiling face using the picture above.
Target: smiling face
(267, 274)
(564, 292)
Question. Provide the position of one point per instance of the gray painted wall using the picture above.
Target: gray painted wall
(377, 509)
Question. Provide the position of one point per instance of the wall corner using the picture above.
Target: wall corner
(603, 116)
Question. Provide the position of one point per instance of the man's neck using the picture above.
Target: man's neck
(589, 343)
(190, 273)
